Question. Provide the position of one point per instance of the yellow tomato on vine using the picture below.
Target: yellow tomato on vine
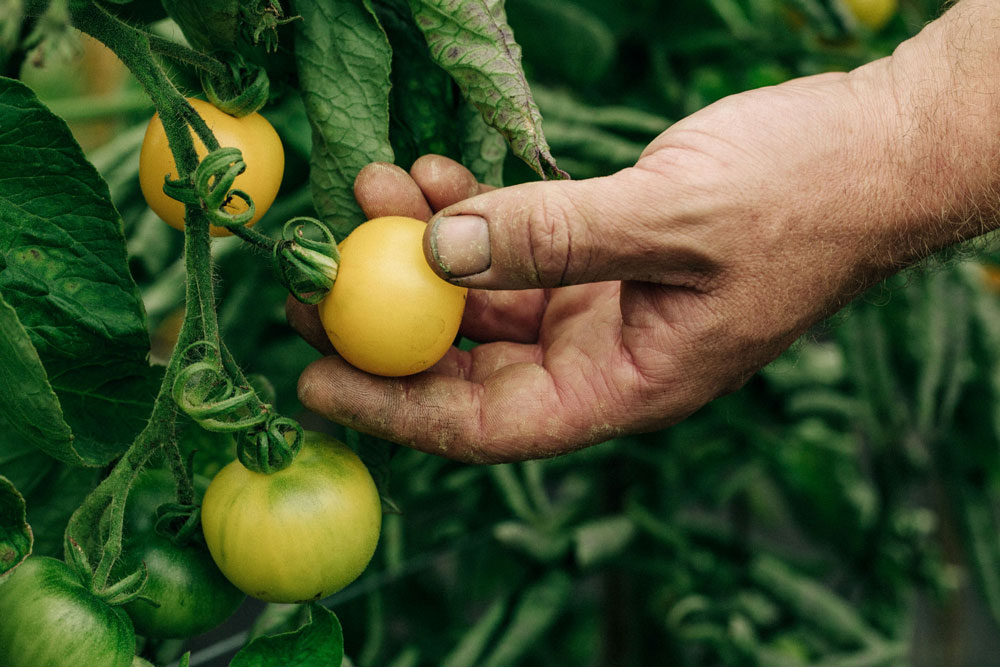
(252, 134)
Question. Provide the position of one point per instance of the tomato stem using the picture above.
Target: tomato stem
(253, 237)
(101, 515)
(180, 53)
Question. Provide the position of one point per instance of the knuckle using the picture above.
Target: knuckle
(550, 237)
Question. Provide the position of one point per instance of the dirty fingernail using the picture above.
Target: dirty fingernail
(461, 245)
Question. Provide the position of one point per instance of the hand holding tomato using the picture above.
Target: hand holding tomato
(623, 304)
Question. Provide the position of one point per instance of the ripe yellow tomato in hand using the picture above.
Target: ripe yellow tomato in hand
(252, 134)
(388, 313)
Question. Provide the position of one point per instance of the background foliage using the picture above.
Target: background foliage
(841, 509)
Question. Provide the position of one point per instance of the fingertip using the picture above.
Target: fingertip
(382, 188)
(329, 386)
(311, 386)
(457, 246)
(443, 181)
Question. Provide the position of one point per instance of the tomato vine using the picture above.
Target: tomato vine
(201, 378)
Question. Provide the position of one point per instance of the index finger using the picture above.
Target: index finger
(444, 414)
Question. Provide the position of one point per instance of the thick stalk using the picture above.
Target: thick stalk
(200, 323)
(133, 48)
(253, 237)
(181, 53)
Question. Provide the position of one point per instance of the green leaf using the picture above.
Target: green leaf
(483, 148)
(64, 271)
(318, 643)
(22, 463)
(813, 603)
(513, 491)
(578, 53)
(28, 405)
(15, 533)
(424, 102)
(473, 42)
(11, 20)
(428, 113)
(544, 546)
(620, 119)
(601, 540)
(53, 501)
(207, 24)
(475, 640)
(536, 611)
(343, 59)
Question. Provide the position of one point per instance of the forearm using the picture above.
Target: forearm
(945, 135)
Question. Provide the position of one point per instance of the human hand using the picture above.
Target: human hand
(623, 304)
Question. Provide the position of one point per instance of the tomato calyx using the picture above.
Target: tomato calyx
(122, 591)
(306, 267)
(261, 20)
(243, 91)
(271, 446)
(178, 522)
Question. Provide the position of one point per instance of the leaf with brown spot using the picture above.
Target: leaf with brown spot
(473, 42)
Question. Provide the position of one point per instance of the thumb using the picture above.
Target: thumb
(545, 234)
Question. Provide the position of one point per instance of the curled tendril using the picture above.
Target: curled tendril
(306, 267)
(204, 391)
(245, 90)
(181, 190)
(212, 182)
(266, 448)
(211, 189)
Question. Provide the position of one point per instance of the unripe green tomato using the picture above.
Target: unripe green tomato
(185, 593)
(48, 619)
(388, 313)
(298, 534)
(253, 135)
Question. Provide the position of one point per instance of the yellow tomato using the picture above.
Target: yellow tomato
(252, 134)
(388, 313)
(873, 14)
(298, 534)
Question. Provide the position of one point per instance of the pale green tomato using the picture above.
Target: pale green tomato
(299, 534)
(48, 619)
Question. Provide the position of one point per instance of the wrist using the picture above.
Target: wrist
(944, 132)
